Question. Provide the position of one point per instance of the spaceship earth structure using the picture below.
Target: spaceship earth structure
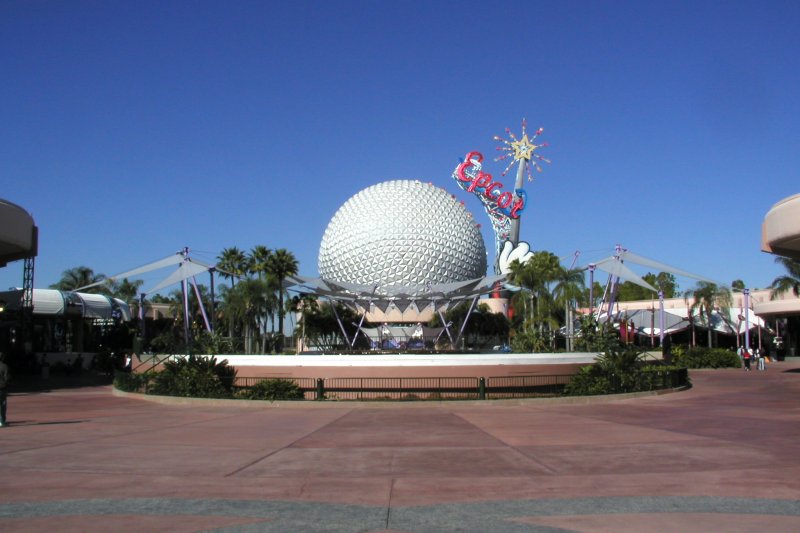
(402, 233)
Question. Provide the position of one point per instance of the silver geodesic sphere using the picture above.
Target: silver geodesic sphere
(400, 233)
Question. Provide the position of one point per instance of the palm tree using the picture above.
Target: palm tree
(706, 297)
(232, 263)
(245, 305)
(782, 284)
(568, 289)
(549, 284)
(259, 260)
(282, 263)
(78, 277)
(789, 281)
(126, 290)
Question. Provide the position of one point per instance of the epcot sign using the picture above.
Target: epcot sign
(481, 183)
(503, 208)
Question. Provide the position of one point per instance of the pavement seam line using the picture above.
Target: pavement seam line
(389, 502)
(273, 452)
(504, 444)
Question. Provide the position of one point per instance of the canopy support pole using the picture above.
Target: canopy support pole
(358, 328)
(200, 303)
(338, 320)
(213, 302)
(466, 319)
(446, 328)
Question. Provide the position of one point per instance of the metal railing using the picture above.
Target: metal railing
(400, 389)
(307, 385)
(408, 389)
(526, 386)
(453, 388)
(450, 388)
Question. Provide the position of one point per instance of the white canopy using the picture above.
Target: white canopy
(51, 302)
(615, 266)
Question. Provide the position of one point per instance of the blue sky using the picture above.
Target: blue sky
(131, 129)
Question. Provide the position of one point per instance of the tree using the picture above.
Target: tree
(551, 288)
(281, 264)
(786, 283)
(259, 260)
(789, 281)
(737, 285)
(126, 290)
(232, 263)
(663, 281)
(567, 292)
(630, 292)
(483, 328)
(321, 327)
(77, 277)
(243, 307)
(706, 297)
(536, 275)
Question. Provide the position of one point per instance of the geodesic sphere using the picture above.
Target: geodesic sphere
(402, 232)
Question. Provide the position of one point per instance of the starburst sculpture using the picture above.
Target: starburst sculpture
(521, 150)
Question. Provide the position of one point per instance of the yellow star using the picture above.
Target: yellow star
(523, 149)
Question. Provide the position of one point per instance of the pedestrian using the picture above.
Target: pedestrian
(746, 356)
(5, 377)
(760, 359)
(128, 362)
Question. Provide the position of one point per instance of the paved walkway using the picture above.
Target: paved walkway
(721, 456)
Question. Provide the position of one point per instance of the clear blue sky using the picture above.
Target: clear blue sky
(131, 129)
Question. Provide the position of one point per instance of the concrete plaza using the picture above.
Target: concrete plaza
(720, 456)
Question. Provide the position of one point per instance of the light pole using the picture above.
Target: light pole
(746, 293)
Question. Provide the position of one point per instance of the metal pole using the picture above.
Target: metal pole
(213, 301)
(200, 303)
(446, 328)
(358, 327)
(466, 318)
(185, 312)
(746, 318)
(341, 326)
(185, 290)
(592, 266)
(570, 328)
(652, 324)
(520, 181)
(143, 317)
(661, 317)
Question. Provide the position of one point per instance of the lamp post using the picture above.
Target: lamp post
(746, 293)
(592, 266)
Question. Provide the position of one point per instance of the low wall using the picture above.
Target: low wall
(405, 365)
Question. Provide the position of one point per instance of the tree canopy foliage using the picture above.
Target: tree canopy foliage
(663, 281)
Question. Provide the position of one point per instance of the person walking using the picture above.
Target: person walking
(746, 356)
(5, 377)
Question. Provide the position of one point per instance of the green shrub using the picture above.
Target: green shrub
(594, 336)
(589, 381)
(529, 341)
(197, 377)
(273, 389)
(620, 369)
(130, 382)
(700, 357)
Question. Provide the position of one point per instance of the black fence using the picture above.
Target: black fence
(452, 388)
